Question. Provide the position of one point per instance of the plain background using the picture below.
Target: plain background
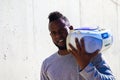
(24, 37)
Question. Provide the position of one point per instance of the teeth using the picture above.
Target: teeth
(60, 40)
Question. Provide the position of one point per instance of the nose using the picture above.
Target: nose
(58, 34)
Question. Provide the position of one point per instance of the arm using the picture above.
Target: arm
(43, 75)
(97, 69)
(92, 66)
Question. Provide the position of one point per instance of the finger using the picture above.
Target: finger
(72, 52)
(72, 48)
(78, 44)
(95, 53)
(82, 45)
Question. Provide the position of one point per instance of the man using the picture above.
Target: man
(74, 64)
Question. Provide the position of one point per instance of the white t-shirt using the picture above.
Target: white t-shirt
(57, 67)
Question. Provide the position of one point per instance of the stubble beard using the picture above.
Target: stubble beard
(61, 47)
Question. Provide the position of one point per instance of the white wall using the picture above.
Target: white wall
(25, 40)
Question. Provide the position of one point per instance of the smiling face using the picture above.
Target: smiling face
(58, 32)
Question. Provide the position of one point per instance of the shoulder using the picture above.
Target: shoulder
(50, 59)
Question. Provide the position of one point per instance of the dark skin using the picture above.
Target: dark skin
(59, 31)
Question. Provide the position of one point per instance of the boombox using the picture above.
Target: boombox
(94, 38)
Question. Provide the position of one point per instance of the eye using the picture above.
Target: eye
(53, 33)
(62, 31)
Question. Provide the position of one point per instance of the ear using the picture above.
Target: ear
(71, 27)
(50, 34)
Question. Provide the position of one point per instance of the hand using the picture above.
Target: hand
(83, 58)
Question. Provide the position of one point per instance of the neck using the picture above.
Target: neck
(63, 52)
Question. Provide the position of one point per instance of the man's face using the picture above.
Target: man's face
(58, 32)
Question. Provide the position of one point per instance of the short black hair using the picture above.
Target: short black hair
(54, 16)
(57, 15)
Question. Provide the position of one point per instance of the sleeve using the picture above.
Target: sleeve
(43, 75)
(97, 69)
